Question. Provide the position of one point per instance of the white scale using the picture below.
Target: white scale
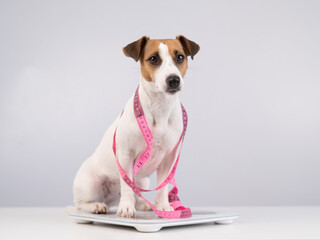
(150, 222)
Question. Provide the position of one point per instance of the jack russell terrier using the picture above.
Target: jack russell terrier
(98, 184)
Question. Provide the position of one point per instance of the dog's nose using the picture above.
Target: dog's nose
(173, 81)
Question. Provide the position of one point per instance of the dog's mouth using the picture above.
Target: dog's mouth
(173, 90)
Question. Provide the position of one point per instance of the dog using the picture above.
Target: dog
(98, 184)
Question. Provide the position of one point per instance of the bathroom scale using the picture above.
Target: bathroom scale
(148, 221)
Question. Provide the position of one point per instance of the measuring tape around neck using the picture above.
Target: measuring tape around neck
(179, 210)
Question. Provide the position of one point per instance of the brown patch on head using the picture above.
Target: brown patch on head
(148, 69)
(145, 48)
(175, 49)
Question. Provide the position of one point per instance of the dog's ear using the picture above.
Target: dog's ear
(190, 48)
(135, 49)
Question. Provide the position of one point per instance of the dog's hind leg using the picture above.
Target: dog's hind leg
(88, 190)
(93, 207)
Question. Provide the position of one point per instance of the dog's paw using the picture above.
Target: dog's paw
(164, 207)
(126, 209)
(101, 208)
(142, 205)
(95, 207)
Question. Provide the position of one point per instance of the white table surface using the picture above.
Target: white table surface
(254, 223)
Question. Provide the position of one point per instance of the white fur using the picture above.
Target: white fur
(98, 181)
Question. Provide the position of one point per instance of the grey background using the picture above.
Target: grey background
(252, 94)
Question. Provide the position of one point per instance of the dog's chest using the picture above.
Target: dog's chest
(165, 138)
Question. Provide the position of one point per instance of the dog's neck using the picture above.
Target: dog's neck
(156, 104)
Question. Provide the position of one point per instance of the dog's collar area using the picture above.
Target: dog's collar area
(179, 210)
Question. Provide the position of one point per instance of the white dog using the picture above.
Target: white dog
(98, 184)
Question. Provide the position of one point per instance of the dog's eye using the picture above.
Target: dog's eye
(180, 58)
(153, 60)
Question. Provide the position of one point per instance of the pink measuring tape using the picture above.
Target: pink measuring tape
(179, 210)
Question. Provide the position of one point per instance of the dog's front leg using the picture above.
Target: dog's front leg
(162, 200)
(127, 200)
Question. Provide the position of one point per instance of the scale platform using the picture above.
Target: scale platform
(150, 222)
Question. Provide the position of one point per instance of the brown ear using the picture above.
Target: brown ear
(135, 49)
(189, 47)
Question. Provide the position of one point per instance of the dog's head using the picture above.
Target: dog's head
(163, 61)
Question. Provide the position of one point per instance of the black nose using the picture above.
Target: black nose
(173, 81)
